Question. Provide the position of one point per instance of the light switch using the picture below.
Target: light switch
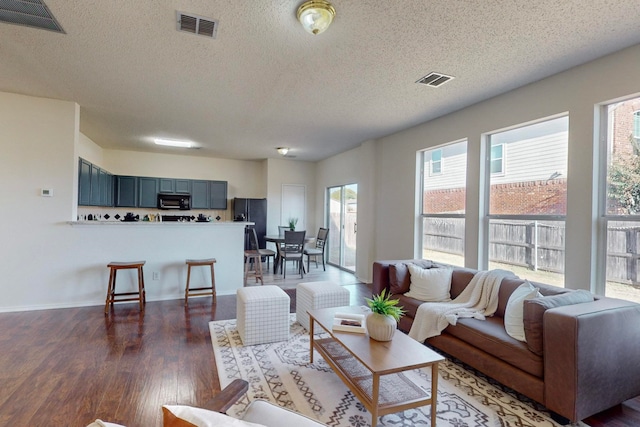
(46, 192)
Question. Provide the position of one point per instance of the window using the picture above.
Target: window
(436, 162)
(443, 203)
(621, 204)
(497, 159)
(528, 200)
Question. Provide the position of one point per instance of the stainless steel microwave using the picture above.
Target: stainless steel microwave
(174, 201)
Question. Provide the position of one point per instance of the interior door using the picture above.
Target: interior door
(342, 212)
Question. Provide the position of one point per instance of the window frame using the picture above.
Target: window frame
(488, 216)
(604, 217)
(421, 214)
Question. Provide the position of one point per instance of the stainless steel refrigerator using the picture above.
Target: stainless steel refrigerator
(252, 210)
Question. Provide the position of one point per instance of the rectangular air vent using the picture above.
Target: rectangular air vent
(197, 25)
(434, 79)
(30, 13)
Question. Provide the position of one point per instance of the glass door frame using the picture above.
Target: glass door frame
(341, 226)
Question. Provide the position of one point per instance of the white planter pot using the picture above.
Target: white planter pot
(381, 327)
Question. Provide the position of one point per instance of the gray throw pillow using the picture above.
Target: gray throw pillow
(534, 311)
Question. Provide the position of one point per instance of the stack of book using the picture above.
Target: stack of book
(349, 322)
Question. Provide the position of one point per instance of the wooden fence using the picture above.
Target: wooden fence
(538, 245)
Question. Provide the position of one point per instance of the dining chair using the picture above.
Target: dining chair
(318, 250)
(292, 250)
(255, 246)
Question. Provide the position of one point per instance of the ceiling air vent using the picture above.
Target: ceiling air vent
(434, 79)
(197, 25)
(30, 13)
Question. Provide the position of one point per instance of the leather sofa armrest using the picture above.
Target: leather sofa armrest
(591, 353)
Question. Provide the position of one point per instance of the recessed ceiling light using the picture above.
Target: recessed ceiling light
(173, 143)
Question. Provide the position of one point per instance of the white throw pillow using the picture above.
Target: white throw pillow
(200, 417)
(429, 284)
(514, 313)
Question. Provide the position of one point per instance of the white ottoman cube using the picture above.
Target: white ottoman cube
(263, 314)
(314, 295)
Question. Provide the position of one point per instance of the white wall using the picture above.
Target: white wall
(286, 171)
(575, 91)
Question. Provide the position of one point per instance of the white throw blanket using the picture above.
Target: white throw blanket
(478, 300)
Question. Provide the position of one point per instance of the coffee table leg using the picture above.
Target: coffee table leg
(375, 393)
(434, 392)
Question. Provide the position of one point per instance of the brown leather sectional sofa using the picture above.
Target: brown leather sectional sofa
(588, 355)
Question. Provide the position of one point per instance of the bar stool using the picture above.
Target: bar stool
(253, 257)
(111, 291)
(207, 290)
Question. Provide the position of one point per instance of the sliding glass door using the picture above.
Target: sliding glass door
(342, 212)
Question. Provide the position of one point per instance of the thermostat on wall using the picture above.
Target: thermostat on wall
(46, 192)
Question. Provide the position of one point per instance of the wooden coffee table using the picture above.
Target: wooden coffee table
(373, 369)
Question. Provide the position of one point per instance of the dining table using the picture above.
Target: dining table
(279, 240)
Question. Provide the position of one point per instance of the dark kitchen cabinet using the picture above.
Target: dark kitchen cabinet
(199, 194)
(84, 182)
(105, 180)
(95, 185)
(94, 200)
(147, 192)
(218, 195)
(171, 186)
(183, 186)
(126, 191)
(167, 185)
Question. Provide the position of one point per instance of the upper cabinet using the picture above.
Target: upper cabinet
(148, 192)
(126, 191)
(97, 187)
(171, 186)
(199, 194)
(218, 195)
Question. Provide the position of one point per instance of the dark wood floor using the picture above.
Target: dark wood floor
(68, 367)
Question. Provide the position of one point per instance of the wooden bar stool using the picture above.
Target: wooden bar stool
(207, 290)
(111, 291)
(253, 257)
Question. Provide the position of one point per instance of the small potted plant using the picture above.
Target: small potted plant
(292, 223)
(382, 322)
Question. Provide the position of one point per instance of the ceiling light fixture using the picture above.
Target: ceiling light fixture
(173, 143)
(316, 15)
(283, 150)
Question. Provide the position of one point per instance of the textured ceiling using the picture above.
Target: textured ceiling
(264, 82)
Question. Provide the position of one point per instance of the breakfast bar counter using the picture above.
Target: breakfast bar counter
(165, 246)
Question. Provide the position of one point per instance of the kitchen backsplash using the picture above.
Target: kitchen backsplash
(98, 213)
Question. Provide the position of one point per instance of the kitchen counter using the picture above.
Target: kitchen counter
(156, 223)
(165, 246)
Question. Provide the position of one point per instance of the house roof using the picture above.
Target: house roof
(263, 82)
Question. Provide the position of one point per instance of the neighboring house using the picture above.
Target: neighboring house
(517, 165)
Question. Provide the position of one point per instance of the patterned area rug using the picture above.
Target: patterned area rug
(280, 372)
